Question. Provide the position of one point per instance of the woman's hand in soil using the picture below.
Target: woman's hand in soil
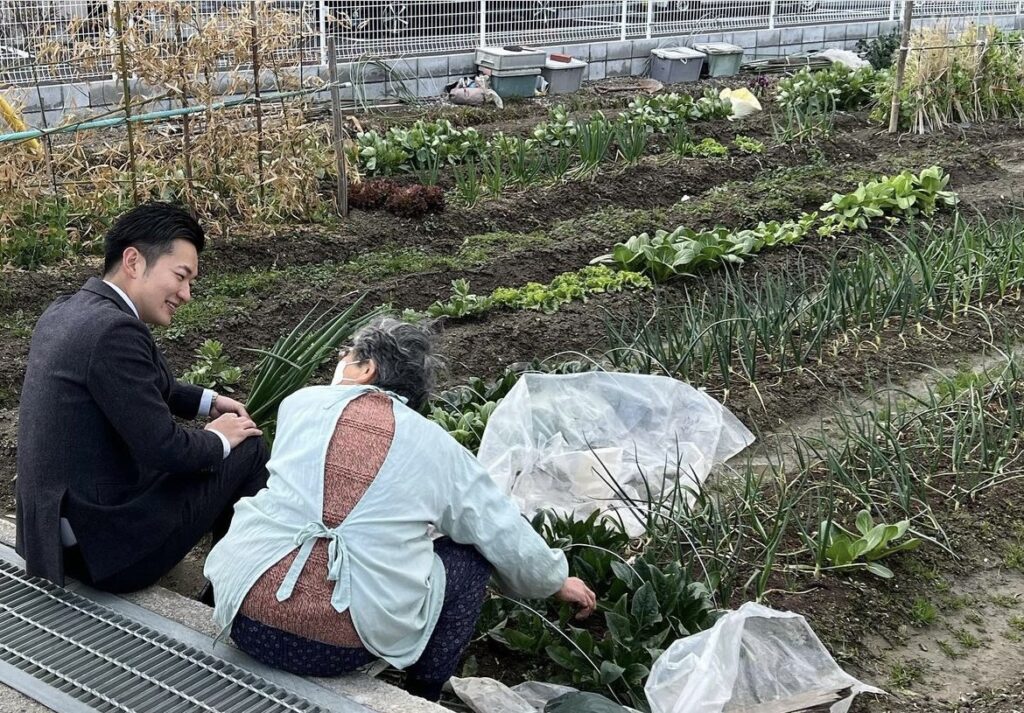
(576, 592)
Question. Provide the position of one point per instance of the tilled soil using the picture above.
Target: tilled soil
(983, 163)
(986, 164)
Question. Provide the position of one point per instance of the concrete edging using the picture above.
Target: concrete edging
(192, 624)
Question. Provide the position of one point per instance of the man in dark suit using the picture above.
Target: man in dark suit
(110, 487)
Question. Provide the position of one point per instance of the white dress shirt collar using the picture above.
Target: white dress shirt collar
(125, 297)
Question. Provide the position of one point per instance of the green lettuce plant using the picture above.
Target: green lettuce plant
(905, 194)
(747, 145)
(863, 549)
(682, 251)
(707, 148)
(547, 298)
(559, 131)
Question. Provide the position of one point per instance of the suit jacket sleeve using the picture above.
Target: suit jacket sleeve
(184, 398)
(126, 382)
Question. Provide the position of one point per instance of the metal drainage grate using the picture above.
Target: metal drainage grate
(66, 646)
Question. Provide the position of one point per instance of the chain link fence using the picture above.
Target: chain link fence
(64, 41)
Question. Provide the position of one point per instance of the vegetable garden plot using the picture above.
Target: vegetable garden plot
(817, 306)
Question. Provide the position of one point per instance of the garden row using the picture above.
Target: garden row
(848, 505)
(285, 172)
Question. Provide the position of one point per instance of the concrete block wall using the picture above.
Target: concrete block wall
(427, 76)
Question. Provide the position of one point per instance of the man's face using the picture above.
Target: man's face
(166, 284)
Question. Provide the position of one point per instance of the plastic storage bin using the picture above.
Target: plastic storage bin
(504, 59)
(724, 59)
(514, 82)
(564, 77)
(672, 65)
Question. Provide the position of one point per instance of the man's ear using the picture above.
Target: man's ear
(133, 262)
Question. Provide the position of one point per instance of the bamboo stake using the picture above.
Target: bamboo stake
(259, 105)
(339, 129)
(48, 142)
(901, 66)
(127, 98)
(186, 119)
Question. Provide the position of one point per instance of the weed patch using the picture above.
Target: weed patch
(903, 674)
(923, 612)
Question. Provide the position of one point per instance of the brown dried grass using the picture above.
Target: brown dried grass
(210, 160)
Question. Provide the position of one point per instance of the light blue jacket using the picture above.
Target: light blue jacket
(381, 557)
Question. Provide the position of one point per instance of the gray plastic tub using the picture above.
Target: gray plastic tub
(514, 82)
(724, 59)
(564, 77)
(504, 60)
(672, 65)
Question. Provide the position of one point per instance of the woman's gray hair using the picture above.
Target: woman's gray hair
(403, 354)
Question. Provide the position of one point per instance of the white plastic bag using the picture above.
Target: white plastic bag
(574, 443)
(744, 103)
(485, 695)
(750, 656)
(850, 59)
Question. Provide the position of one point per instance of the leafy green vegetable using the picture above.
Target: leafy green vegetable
(905, 194)
(847, 549)
(545, 298)
(747, 145)
(212, 369)
(684, 251)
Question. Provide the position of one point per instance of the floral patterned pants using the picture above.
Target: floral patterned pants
(466, 574)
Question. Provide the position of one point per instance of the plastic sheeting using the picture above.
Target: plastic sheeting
(574, 443)
(751, 656)
(846, 57)
(744, 103)
(485, 695)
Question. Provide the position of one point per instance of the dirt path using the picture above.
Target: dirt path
(948, 633)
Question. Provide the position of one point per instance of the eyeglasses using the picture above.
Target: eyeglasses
(348, 351)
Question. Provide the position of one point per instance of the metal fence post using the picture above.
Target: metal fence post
(483, 23)
(892, 10)
(323, 32)
(773, 8)
(622, 35)
(650, 17)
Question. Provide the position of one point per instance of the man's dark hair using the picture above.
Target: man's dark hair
(152, 229)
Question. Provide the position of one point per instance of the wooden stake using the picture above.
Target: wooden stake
(127, 90)
(901, 66)
(47, 139)
(256, 84)
(186, 127)
(339, 129)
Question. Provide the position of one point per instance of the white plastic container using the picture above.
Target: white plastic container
(564, 77)
(505, 59)
(672, 65)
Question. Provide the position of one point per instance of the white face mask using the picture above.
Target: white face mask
(339, 373)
